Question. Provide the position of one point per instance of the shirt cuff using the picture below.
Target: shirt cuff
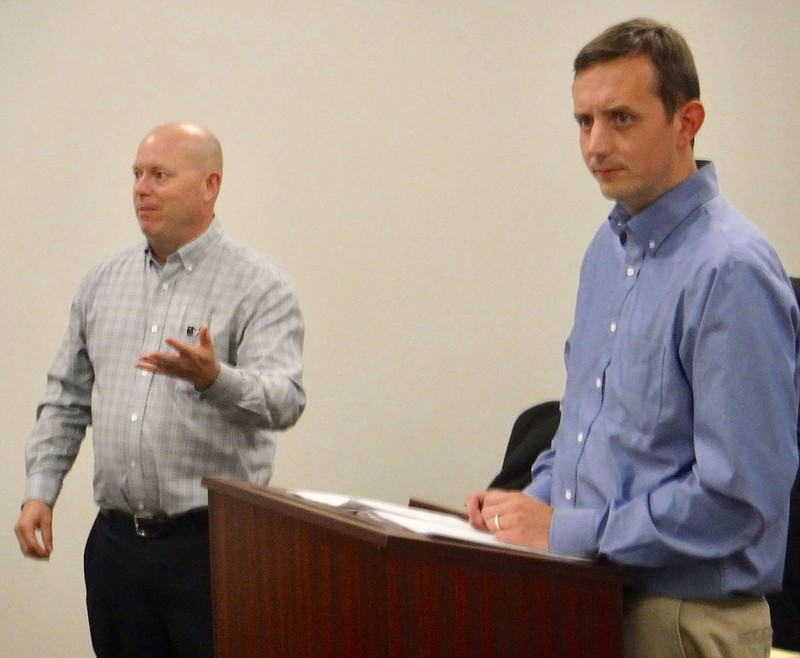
(575, 532)
(40, 487)
(225, 387)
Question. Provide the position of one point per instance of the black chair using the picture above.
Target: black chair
(532, 433)
(784, 606)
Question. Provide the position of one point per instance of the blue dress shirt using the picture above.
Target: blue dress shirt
(677, 447)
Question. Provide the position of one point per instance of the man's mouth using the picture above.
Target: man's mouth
(606, 172)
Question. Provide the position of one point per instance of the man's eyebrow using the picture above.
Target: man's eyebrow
(608, 111)
(151, 167)
(620, 109)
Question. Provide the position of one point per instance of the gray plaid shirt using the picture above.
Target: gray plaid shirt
(154, 437)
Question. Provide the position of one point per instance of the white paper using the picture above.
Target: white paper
(422, 521)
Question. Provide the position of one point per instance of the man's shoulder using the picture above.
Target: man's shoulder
(122, 256)
(727, 236)
(121, 261)
(247, 261)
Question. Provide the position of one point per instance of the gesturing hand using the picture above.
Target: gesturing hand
(195, 363)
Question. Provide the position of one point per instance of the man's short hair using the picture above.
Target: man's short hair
(676, 75)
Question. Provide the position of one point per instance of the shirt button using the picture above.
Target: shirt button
(144, 373)
(190, 267)
(598, 382)
(630, 271)
(613, 327)
(580, 437)
(164, 286)
(568, 494)
(154, 328)
(652, 244)
(134, 418)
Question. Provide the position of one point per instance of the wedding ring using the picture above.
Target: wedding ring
(497, 522)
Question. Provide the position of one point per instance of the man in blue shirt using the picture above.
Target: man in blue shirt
(677, 446)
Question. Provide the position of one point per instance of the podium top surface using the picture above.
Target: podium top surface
(362, 525)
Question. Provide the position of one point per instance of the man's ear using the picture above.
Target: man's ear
(213, 183)
(690, 118)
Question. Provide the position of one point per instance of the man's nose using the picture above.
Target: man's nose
(598, 141)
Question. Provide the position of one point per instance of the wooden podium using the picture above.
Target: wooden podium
(291, 577)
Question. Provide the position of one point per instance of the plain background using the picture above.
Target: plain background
(412, 166)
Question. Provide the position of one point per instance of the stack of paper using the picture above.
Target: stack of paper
(426, 522)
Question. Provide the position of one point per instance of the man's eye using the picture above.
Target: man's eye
(584, 122)
(624, 119)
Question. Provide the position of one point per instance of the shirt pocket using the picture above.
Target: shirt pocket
(634, 385)
(189, 329)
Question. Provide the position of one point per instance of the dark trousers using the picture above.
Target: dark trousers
(149, 597)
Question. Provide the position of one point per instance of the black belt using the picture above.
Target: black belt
(159, 525)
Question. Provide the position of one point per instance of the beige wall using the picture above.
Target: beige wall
(411, 165)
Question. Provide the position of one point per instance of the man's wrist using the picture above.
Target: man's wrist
(205, 383)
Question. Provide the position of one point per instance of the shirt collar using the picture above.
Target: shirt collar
(653, 225)
(192, 253)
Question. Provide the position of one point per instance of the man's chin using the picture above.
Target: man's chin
(611, 192)
(147, 222)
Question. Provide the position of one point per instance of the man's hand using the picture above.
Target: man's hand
(511, 516)
(195, 363)
(36, 517)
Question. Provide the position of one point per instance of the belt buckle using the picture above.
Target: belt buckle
(140, 524)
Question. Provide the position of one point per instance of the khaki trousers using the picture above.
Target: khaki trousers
(662, 627)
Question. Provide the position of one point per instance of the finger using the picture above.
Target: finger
(491, 520)
(47, 536)
(145, 364)
(206, 341)
(155, 365)
(472, 510)
(29, 543)
(180, 347)
(493, 514)
(38, 553)
(474, 506)
(155, 359)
